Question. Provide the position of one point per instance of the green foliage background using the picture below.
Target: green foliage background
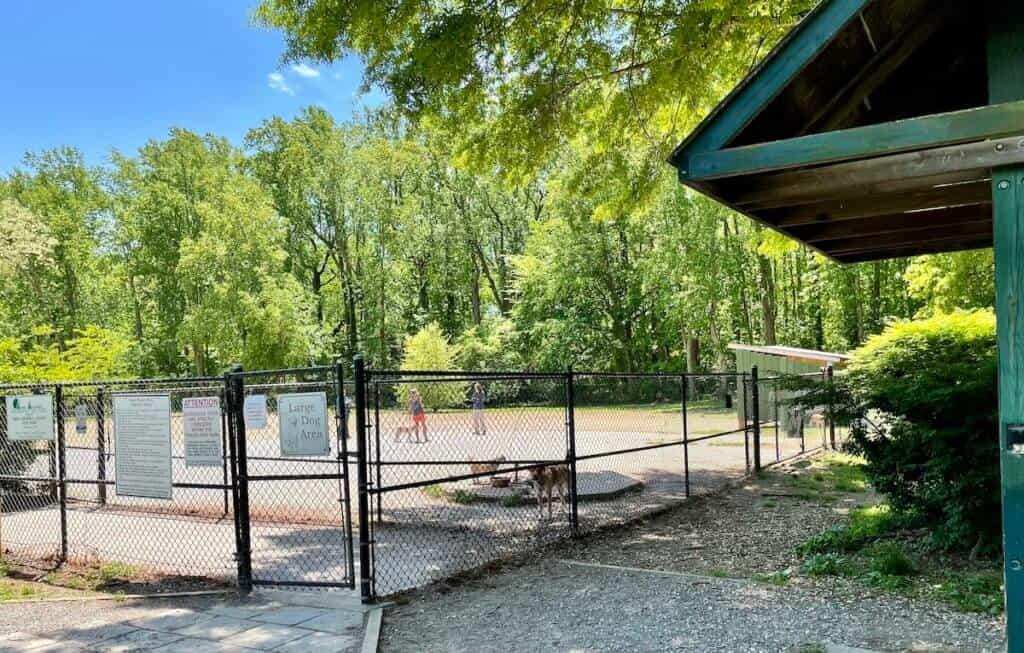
(513, 192)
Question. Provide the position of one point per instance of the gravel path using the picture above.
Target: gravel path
(554, 606)
(668, 600)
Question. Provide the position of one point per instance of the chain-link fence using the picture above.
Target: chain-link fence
(293, 468)
(462, 469)
(247, 475)
(153, 473)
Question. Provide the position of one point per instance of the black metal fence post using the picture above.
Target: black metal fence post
(756, 415)
(570, 403)
(237, 392)
(829, 375)
(376, 451)
(101, 446)
(341, 428)
(746, 421)
(62, 487)
(686, 437)
(365, 579)
(225, 420)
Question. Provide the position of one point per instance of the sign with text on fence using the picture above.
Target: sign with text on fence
(302, 424)
(30, 417)
(201, 425)
(142, 445)
(254, 411)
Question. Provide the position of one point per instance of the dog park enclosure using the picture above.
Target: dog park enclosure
(266, 477)
(888, 128)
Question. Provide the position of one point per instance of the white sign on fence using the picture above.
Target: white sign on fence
(142, 445)
(302, 423)
(201, 425)
(81, 418)
(30, 417)
(254, 410)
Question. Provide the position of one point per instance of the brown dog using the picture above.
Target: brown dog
(548, 479)
(484, 467)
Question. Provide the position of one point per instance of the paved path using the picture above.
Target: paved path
(270, 621)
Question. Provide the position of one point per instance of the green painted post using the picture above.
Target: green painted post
(1006, 82)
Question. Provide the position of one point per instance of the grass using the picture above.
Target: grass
(463, 498)
(812, 648)
(718, 572)
(778, 579)
(876, 549)
(434, 491)
(832, 473)
(512, 500)
(94, 577)
(865, 526)
(825, 564)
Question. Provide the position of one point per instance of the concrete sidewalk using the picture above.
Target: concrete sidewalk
(272, 620)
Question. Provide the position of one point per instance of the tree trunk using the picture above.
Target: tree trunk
(767, 300)
(474, 295)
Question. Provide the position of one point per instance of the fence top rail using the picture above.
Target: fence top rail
(284, 371)
(396, 375)
(189, 380)
(464, 374)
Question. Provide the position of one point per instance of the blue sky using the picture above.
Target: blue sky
(98, 74)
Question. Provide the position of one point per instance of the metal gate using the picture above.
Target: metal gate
(294, 516)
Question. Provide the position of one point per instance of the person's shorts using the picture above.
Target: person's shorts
(419, 418)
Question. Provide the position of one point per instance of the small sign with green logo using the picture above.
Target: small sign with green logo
(30, 417)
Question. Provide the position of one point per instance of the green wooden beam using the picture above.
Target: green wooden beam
(1005, 49)
(759, 88)
(860, 142)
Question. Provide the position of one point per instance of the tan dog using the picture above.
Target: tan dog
(548, 479)
(484, 467)
(817, 420)
(402, 430)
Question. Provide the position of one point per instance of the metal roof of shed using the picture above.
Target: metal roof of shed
(793, 353)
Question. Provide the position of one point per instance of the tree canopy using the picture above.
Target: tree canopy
(512, 200)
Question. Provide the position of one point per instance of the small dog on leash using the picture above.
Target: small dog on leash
(547, 480)
(402, 430)
(484, 467)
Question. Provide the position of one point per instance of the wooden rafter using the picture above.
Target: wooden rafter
(913, 134)
(889, 224)
(977, 193)
(847, 179)
(878, 70)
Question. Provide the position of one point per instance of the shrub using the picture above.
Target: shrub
(890, 560)
(920, 400)
(934, 380)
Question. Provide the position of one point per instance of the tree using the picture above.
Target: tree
(522, 78)
(429, 350)
(204, 247)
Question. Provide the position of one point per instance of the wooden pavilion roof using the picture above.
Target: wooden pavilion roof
(868, 133)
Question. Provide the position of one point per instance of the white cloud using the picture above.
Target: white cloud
(302, 70)
(276, 82)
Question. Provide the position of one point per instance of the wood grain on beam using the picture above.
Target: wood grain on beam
(850, 179)
(899, 239)
(916, 250)
(892, 223)
(976, 193)
(995, 121)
